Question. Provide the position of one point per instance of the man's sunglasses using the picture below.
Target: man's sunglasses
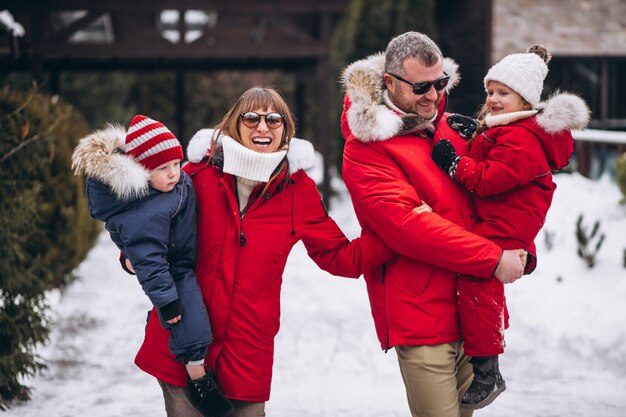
(424, 86)
(272, 120)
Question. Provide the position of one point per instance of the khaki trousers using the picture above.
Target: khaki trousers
(435, 378)
(177, 404)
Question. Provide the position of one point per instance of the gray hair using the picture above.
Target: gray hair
(410, 45)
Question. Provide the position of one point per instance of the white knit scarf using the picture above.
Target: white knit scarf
(246, 163)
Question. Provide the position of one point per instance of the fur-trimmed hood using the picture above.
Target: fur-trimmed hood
(100, 155)
(300, 154)
(560, 112)
(552, 125)
(369, 118)
(563, 111)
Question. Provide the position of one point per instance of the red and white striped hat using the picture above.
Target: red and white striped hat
(151, 143)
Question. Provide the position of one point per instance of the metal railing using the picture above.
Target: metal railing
(596, 150)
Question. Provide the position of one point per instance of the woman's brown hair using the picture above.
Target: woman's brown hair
(258, 97)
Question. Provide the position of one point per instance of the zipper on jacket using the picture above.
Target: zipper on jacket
(251, 200)
(293, 207)
(384, 275)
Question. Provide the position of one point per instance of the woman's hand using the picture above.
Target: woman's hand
(423, 208)
(128, 265)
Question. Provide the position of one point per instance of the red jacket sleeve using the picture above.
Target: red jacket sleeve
(513, 161)
(384, 199)
(326, 244)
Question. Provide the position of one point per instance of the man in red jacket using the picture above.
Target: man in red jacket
(393, 103)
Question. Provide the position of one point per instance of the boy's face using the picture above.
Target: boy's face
(165, 177)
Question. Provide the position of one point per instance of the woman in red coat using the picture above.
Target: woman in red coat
(255, 202)
(509, 171)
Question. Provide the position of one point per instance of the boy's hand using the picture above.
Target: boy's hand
(175, 319)
(424, 208)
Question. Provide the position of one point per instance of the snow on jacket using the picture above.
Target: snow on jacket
(388, 170)
(509, 168)
(241, 259)
(156, 231)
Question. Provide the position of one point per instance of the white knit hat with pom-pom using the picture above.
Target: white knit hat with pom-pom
(523, 73)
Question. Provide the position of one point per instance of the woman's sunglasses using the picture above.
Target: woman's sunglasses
(424, 86)
(272, 120)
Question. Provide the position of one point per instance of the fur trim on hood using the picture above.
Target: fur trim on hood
(560, 112)
(368, 116)
(300, 154)
(563, 111)
(100, 155)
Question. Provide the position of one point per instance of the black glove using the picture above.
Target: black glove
(465, 125)
(445, 156)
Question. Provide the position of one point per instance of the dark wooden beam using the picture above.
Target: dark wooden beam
(147, 65)
(139, 6)
(165, 51)
(325, 80)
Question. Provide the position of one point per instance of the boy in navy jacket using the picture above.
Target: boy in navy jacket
(135, 185)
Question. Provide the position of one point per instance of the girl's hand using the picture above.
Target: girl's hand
(175, 319)
(424, 208)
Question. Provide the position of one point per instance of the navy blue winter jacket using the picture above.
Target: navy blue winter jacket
(157, 233)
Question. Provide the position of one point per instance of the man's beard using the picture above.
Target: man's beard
(407, 108)
(411, 120)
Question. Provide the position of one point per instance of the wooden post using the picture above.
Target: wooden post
(180, 107)
(54, 86)
(584, 153)
(300, 104)
(324, 76)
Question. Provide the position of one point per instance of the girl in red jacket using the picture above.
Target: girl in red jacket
(508, 170)
(255, 202)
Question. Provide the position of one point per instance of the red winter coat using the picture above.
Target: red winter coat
(508, 170)
(388, 174)
(509, 173)
(241, 282)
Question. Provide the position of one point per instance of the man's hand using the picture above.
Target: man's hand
(444, 155)
(511, 265)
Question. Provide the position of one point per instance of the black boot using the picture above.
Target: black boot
(205, 395)
(487, 383)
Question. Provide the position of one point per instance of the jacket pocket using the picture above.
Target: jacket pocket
(412, 275)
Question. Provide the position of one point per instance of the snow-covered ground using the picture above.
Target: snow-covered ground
(566, 348)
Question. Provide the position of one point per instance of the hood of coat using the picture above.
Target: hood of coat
(562, 111)
(100, 155)
(554, 121)
(300, 155)
(368, 117)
